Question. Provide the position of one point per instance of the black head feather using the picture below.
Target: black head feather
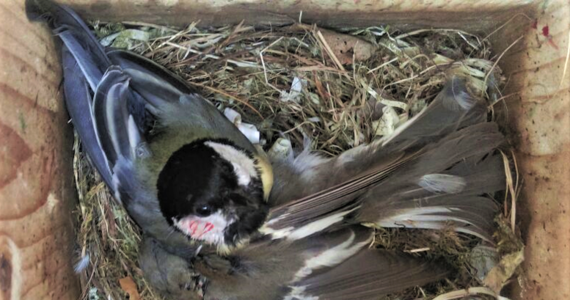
(197, 180)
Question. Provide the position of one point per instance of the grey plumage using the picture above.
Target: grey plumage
(464, 154)
(336, 265)
(359, 277)
(443, 116)
(384, 183)
(268, 270)
(81, 108)
(172, 273)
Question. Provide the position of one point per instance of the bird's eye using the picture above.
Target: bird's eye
(203, 210)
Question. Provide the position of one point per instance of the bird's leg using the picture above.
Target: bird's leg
(172, 275)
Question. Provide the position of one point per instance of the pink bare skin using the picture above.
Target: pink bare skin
(209, 229)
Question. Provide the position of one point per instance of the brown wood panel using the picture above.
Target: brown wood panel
(36, 188)
(467, 14)
(539, 118)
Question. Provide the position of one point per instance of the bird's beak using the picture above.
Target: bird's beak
(209, 229)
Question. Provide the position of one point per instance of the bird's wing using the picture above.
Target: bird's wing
(451, 183)
(331, 265)
(263, 269)
(90, 83)
(308, 173)
(363, 181)
(314, 213)
(79, 102)
(130, 60)
(368, 275)
(76, 36)
(453, 108)
(109, 115)
(116, 110)
(84, 63)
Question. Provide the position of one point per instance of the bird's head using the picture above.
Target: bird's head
(214, 192)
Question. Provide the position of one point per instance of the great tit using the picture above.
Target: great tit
(184, 173)
(181, 169)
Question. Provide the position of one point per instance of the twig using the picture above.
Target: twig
(510, 189)
(503, 98)
(501, 56)
(382, 65)
(401, 36)
(144, 24)
(329, 50)
(215, 90)
(264, 68)
(505, 24)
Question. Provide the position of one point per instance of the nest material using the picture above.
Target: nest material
(339, 88)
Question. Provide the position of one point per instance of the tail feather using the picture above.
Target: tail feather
(369, 275)
(128, 60)
(474, 216)
(84, 63)
(79, 104)
(404, 201)
(75, 35)
(438, 158)
(484, 176)
(434, 170)
(453, 108)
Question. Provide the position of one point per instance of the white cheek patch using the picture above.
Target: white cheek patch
(244, 166)
(209, 229)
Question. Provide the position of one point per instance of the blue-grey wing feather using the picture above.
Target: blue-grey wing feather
(79, 104)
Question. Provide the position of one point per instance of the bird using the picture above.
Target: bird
(236, 224)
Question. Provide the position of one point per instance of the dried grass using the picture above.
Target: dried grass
(251, 70)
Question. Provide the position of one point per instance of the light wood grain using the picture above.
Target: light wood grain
(467, 14)
(539, 117)
(36, 233)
